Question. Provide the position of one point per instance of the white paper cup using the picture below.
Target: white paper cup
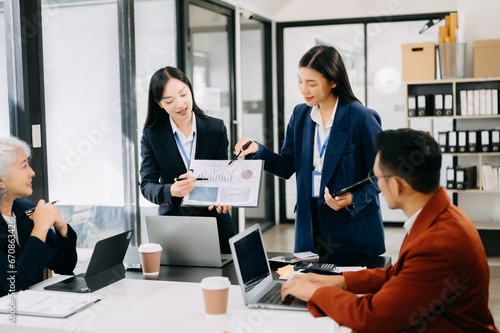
(215, 294)
(150, 258)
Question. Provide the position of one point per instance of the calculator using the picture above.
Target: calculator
(317, 267)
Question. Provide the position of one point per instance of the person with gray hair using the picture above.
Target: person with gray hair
(28, 244)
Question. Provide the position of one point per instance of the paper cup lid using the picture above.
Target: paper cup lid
(149, 248)
(215, 283)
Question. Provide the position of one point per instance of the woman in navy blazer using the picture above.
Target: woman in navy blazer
(176, 130)
(329, 145)
(28, 244)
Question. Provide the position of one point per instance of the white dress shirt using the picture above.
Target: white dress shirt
(324, 131)
(409, 223)
(186, 141)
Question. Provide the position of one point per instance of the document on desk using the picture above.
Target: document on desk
(46, 304)
(237, 185)
(343, 269)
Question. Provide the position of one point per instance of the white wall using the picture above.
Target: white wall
(481, 22)
(300, 10)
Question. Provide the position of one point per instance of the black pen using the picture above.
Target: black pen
(30, 211)
(245, 146)
(179, 179)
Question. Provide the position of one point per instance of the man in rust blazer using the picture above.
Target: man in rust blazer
(440, 281)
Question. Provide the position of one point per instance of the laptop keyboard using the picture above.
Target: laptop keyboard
(75, 283)
(273, 296)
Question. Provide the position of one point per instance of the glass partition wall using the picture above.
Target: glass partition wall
(83, 116)
(155, 41)
(371, 50)
(4, 100)
(257, 121)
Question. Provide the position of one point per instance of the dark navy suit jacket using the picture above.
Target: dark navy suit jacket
(162, 162)
(349, 157)
(57, 253)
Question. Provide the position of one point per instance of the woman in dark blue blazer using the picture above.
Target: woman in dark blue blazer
(176, 130)
(329, 145)
(28, 244)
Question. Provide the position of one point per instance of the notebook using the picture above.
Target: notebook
(254, 274)
(47, 304)
(187, 240)
(105, 266)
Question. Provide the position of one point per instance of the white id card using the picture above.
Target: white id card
(316, 183)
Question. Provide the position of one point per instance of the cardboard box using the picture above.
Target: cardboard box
(419, 61)
(486, 56)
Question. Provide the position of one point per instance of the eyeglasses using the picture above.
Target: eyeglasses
(374, 179)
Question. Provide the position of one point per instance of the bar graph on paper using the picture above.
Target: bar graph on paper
(237, 185)
(217, 175)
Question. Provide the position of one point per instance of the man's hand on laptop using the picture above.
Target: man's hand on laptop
(325, 280)
(305, 285)
(299, 287)
(221, 208)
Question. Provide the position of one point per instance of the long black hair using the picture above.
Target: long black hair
(327, 61)
(156, 87)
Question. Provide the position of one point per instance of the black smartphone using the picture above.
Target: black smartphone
(352, 188)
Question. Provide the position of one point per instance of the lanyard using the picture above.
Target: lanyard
(182, 148)
(322, 149)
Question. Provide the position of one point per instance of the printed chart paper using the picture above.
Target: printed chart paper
(237, 185)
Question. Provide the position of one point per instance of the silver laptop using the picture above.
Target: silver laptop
(254, 274)
(187, 240)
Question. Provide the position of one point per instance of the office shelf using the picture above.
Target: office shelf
(473, 154)
(459, 122)
(457, 117)
(487, 225)
(472, 190)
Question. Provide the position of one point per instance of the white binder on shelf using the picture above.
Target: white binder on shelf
(476, 102)
(463, 102)
(494, 101)
(488, 102)
(495, 141)
(438, 105)
(470, 102)
(452, 141)
(448, 105)
(421, 106)
(462, 141)
(412, 106)
(482, 102)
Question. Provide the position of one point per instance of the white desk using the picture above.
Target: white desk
(160, 306)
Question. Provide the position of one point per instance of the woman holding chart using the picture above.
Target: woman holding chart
(329, 146)
(177, 130)
(28, 243)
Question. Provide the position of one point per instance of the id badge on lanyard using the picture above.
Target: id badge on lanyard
(316, 175)
(316, 183)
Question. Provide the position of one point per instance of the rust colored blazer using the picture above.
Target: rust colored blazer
(439, 283)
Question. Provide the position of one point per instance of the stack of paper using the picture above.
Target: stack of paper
(46, 304)
(308, 255)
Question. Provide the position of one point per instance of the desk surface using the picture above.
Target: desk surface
(160, 306)
(173, 303)
(196, 274)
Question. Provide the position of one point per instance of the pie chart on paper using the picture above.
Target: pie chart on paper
(246, 174)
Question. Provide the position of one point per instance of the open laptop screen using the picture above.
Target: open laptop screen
(251, 259)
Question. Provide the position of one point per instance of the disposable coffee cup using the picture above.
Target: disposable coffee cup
(150, 258)
(215, 293)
